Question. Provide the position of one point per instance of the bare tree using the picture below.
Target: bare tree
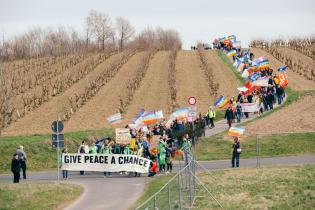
(100, 27)
(125, 31)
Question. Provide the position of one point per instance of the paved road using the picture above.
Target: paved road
(107, 193)
(120, 191)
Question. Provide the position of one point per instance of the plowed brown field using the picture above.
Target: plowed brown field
(297, 56)
(106, 102)
(154, 93)
(296, 81)
(228, 83)
(298, 117)
(39, 121)
(190, 81)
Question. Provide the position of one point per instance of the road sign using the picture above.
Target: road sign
(58, 144)
(57, 126)
(192, 113)
(192, 100)
(60, 137)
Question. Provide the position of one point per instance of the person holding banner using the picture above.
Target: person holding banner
(83, 149)
(64, 172)
(106, 149)
(236, 152)
(93, 149)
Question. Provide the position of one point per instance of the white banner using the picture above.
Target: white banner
(105, 162)
(159, 114)
(250, 107)
(242, 89)
(263, 82)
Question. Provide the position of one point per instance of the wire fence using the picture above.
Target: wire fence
(182, 190)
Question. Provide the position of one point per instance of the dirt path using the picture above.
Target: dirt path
(106, 102)
(296, 81)
(228, 83)
(190, 81)
(39, 121)
(298, 117)
(154, 93)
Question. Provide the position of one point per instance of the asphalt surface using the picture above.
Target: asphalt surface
(120, 191)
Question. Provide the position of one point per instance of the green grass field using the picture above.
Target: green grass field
(41, 155)
(245, 188)
(228, 62)
(218, 147)
(37, 195)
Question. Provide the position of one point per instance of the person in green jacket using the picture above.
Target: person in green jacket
(93, 149)
(127, 150)
(162, 157)
(106, 149)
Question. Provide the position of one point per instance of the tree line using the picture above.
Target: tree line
(100, 32)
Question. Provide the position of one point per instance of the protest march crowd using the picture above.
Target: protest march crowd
(151, 137)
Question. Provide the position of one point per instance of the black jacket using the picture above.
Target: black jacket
(235, 147)
(228, 114)
(15, 166)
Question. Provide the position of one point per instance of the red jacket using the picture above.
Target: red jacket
(154, 167)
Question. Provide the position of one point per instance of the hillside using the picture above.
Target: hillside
(190, 81)
(296, 81)
(154, 93)
(107, 101)
(298, 117)
(39, 121)
(228, 83)
(91, 88)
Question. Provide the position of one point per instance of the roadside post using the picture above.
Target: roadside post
(192, 115)
(57, 142)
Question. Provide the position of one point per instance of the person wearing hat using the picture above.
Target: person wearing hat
(236, 152)
(16, 168)
(22, 158)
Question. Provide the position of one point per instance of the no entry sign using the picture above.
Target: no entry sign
(192, 100)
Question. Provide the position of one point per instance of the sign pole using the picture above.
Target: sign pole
(58, 156)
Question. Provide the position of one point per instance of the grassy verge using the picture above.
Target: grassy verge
(155, 184)
(288, 187)
(218, 148)
(270, 188)
(37, 195)
(219, 115)
(38, 148)
(227, 61)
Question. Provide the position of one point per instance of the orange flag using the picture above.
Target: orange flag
(283, 80)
